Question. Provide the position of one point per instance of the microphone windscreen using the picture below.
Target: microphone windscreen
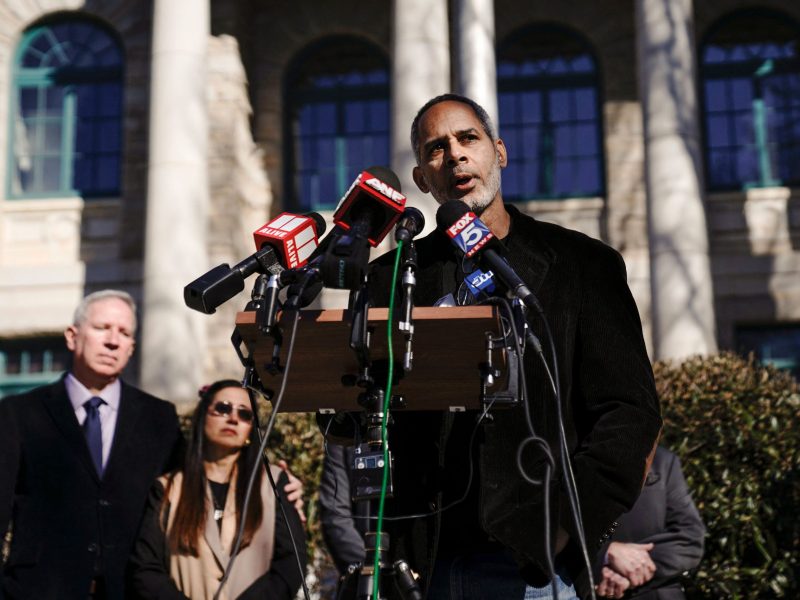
(411, 223)
(450, 212)
(415, 218)
(386, 175)
(319, 222)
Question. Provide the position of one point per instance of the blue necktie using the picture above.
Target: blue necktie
(93, 432)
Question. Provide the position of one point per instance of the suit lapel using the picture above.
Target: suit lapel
(57, 404)
(129, 414)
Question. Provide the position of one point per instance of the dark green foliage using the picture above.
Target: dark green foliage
(297, 440)
(736, 426)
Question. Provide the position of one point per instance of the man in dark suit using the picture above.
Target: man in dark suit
(492, 544)
(659, 540)
(77, 459)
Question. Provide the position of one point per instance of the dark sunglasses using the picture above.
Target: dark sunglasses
(223, 408)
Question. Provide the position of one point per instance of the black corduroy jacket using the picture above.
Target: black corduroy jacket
(609, 404)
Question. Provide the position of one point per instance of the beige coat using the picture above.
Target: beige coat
(198, 577)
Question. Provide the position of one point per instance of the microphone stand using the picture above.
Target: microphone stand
(366, 475)
(264, 302)
(406, 323)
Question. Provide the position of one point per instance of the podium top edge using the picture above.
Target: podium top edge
(421, 313)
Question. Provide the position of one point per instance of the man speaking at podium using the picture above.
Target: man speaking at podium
(492, 545)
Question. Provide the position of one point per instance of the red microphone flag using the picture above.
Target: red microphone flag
(293, 236)
(368, 191)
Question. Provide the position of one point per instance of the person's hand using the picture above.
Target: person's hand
(612, 585)
(294, 490)
(632, 561)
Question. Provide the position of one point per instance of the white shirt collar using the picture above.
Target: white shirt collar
(78, 394)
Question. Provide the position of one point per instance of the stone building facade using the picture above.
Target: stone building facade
(212, 143)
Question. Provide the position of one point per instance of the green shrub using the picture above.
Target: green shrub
(736, 427)
(297, 440)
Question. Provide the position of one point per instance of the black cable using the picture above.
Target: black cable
(295, 549)
(534, 439)
(250, 484)
(566, 463)
(470, 477)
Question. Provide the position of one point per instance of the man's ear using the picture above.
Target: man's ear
(69, 335)
(502, 155)
(419, 179)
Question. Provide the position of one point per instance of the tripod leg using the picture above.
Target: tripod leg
(346, 590)
(405, 583)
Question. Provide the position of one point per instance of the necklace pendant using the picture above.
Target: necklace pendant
(218, 514)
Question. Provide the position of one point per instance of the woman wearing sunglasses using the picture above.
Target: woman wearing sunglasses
(193, 515)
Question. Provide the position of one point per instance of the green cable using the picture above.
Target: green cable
(387, 397)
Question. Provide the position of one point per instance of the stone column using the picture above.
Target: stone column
(475, 69)
(683, 303)
(420, 71)
(173, 337)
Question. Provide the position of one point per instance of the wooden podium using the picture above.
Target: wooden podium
(448, 344)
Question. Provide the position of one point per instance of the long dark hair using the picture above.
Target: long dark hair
(191, 511)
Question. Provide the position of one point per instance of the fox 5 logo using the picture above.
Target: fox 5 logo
(470, 234)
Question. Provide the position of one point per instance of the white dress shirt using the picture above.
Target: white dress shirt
(78, 395)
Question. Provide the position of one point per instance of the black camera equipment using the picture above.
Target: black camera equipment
(372, 457)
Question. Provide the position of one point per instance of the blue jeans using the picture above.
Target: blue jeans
(566, 591)
(489, 577)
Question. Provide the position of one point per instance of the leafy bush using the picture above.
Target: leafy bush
(736, 427)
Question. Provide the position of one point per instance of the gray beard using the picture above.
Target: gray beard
(477, 204)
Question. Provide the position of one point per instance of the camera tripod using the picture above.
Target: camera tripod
(366, 477)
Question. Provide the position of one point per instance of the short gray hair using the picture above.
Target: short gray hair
(80, 313)
(480, 113)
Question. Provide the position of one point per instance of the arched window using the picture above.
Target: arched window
(750, 71)
(337, 119)
(66, 107)
(549, 104)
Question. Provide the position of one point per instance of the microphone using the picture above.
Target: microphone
(372, 205)
(480, 283)
(471, 235)
(293, 237)
(411, 222)
(305, 284)
(286, 239)
(369, 209)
